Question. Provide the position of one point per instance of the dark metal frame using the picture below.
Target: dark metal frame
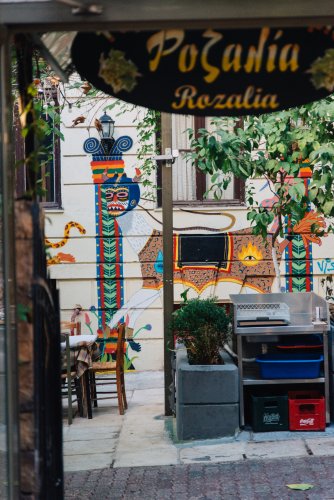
(47, 369)
(8, 266)
(48, 16)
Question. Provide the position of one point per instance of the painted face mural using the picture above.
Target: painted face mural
(121, 193)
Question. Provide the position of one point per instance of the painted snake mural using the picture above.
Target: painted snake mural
(61, 257)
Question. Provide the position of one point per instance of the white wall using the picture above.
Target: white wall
(77, 281)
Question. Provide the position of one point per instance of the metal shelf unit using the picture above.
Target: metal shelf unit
(254, 381)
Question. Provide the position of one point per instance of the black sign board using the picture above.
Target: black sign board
(210, 72)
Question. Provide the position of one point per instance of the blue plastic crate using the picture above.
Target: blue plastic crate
(290, 365)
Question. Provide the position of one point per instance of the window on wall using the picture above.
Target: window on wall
(49, 169)
(190, 185)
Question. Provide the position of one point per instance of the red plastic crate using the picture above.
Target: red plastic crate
(307, 411)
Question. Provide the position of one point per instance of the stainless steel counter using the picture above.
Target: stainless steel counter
(283, 330)
(302, 322)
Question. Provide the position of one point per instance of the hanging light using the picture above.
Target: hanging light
(106, 130)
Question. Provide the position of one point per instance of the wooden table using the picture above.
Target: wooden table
(81, 348)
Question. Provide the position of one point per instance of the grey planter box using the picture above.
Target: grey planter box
(207, 399)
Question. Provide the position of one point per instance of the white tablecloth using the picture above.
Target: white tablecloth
(80, 339)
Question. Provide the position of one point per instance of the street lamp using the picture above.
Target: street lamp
(106, 132)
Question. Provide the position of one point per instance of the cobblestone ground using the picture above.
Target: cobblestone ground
(247, 480)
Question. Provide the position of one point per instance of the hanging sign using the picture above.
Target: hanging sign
(210, 72)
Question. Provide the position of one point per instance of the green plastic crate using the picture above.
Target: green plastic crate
(270, 413)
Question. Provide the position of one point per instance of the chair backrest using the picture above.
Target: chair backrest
(120, 346)
(74, 327)
(68, 358)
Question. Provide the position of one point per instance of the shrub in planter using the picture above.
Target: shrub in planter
(207, 392)
(203, 327)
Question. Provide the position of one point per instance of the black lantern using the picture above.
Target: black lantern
(107, 127)
(106, 132)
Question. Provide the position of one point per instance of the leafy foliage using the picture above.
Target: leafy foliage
(148, 130)
(203, 327)
(274, 147)
(42, 123)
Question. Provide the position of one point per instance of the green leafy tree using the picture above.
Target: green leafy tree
(274, 147)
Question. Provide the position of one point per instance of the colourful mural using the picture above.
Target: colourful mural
(201, 260)
(298, 254)
(327, 285)
(297, 245)
(115, 195)
(62, 257)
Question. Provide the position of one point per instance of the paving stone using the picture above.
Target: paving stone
(275, 449)
(227, 452)
(87, 461)
(146, 457)
(86, 447)
(321, 446)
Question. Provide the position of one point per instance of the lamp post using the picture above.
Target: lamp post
(105, 129)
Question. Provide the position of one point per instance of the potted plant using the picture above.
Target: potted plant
(207, 395)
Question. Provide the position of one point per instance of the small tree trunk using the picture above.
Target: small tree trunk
(276, 266)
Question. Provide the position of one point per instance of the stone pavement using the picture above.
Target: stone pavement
(247, 480)
(137, 456)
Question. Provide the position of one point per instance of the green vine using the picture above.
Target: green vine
(148, 132)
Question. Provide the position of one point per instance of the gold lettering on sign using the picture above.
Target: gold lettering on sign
(209, 58)
(185, 93)
(247, 96)
(187, 98)
(187, 59)
(255, 54)
(284, 63)
(212, 71)
(232, 58)
(158, 42)
(272, 53)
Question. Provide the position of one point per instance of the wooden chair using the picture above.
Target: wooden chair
(70, 385)
(117, 377)
(74, 327)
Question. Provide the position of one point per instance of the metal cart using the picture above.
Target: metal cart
(307, 314)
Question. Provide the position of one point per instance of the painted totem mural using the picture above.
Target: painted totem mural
(115, 196)
(298, 253)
